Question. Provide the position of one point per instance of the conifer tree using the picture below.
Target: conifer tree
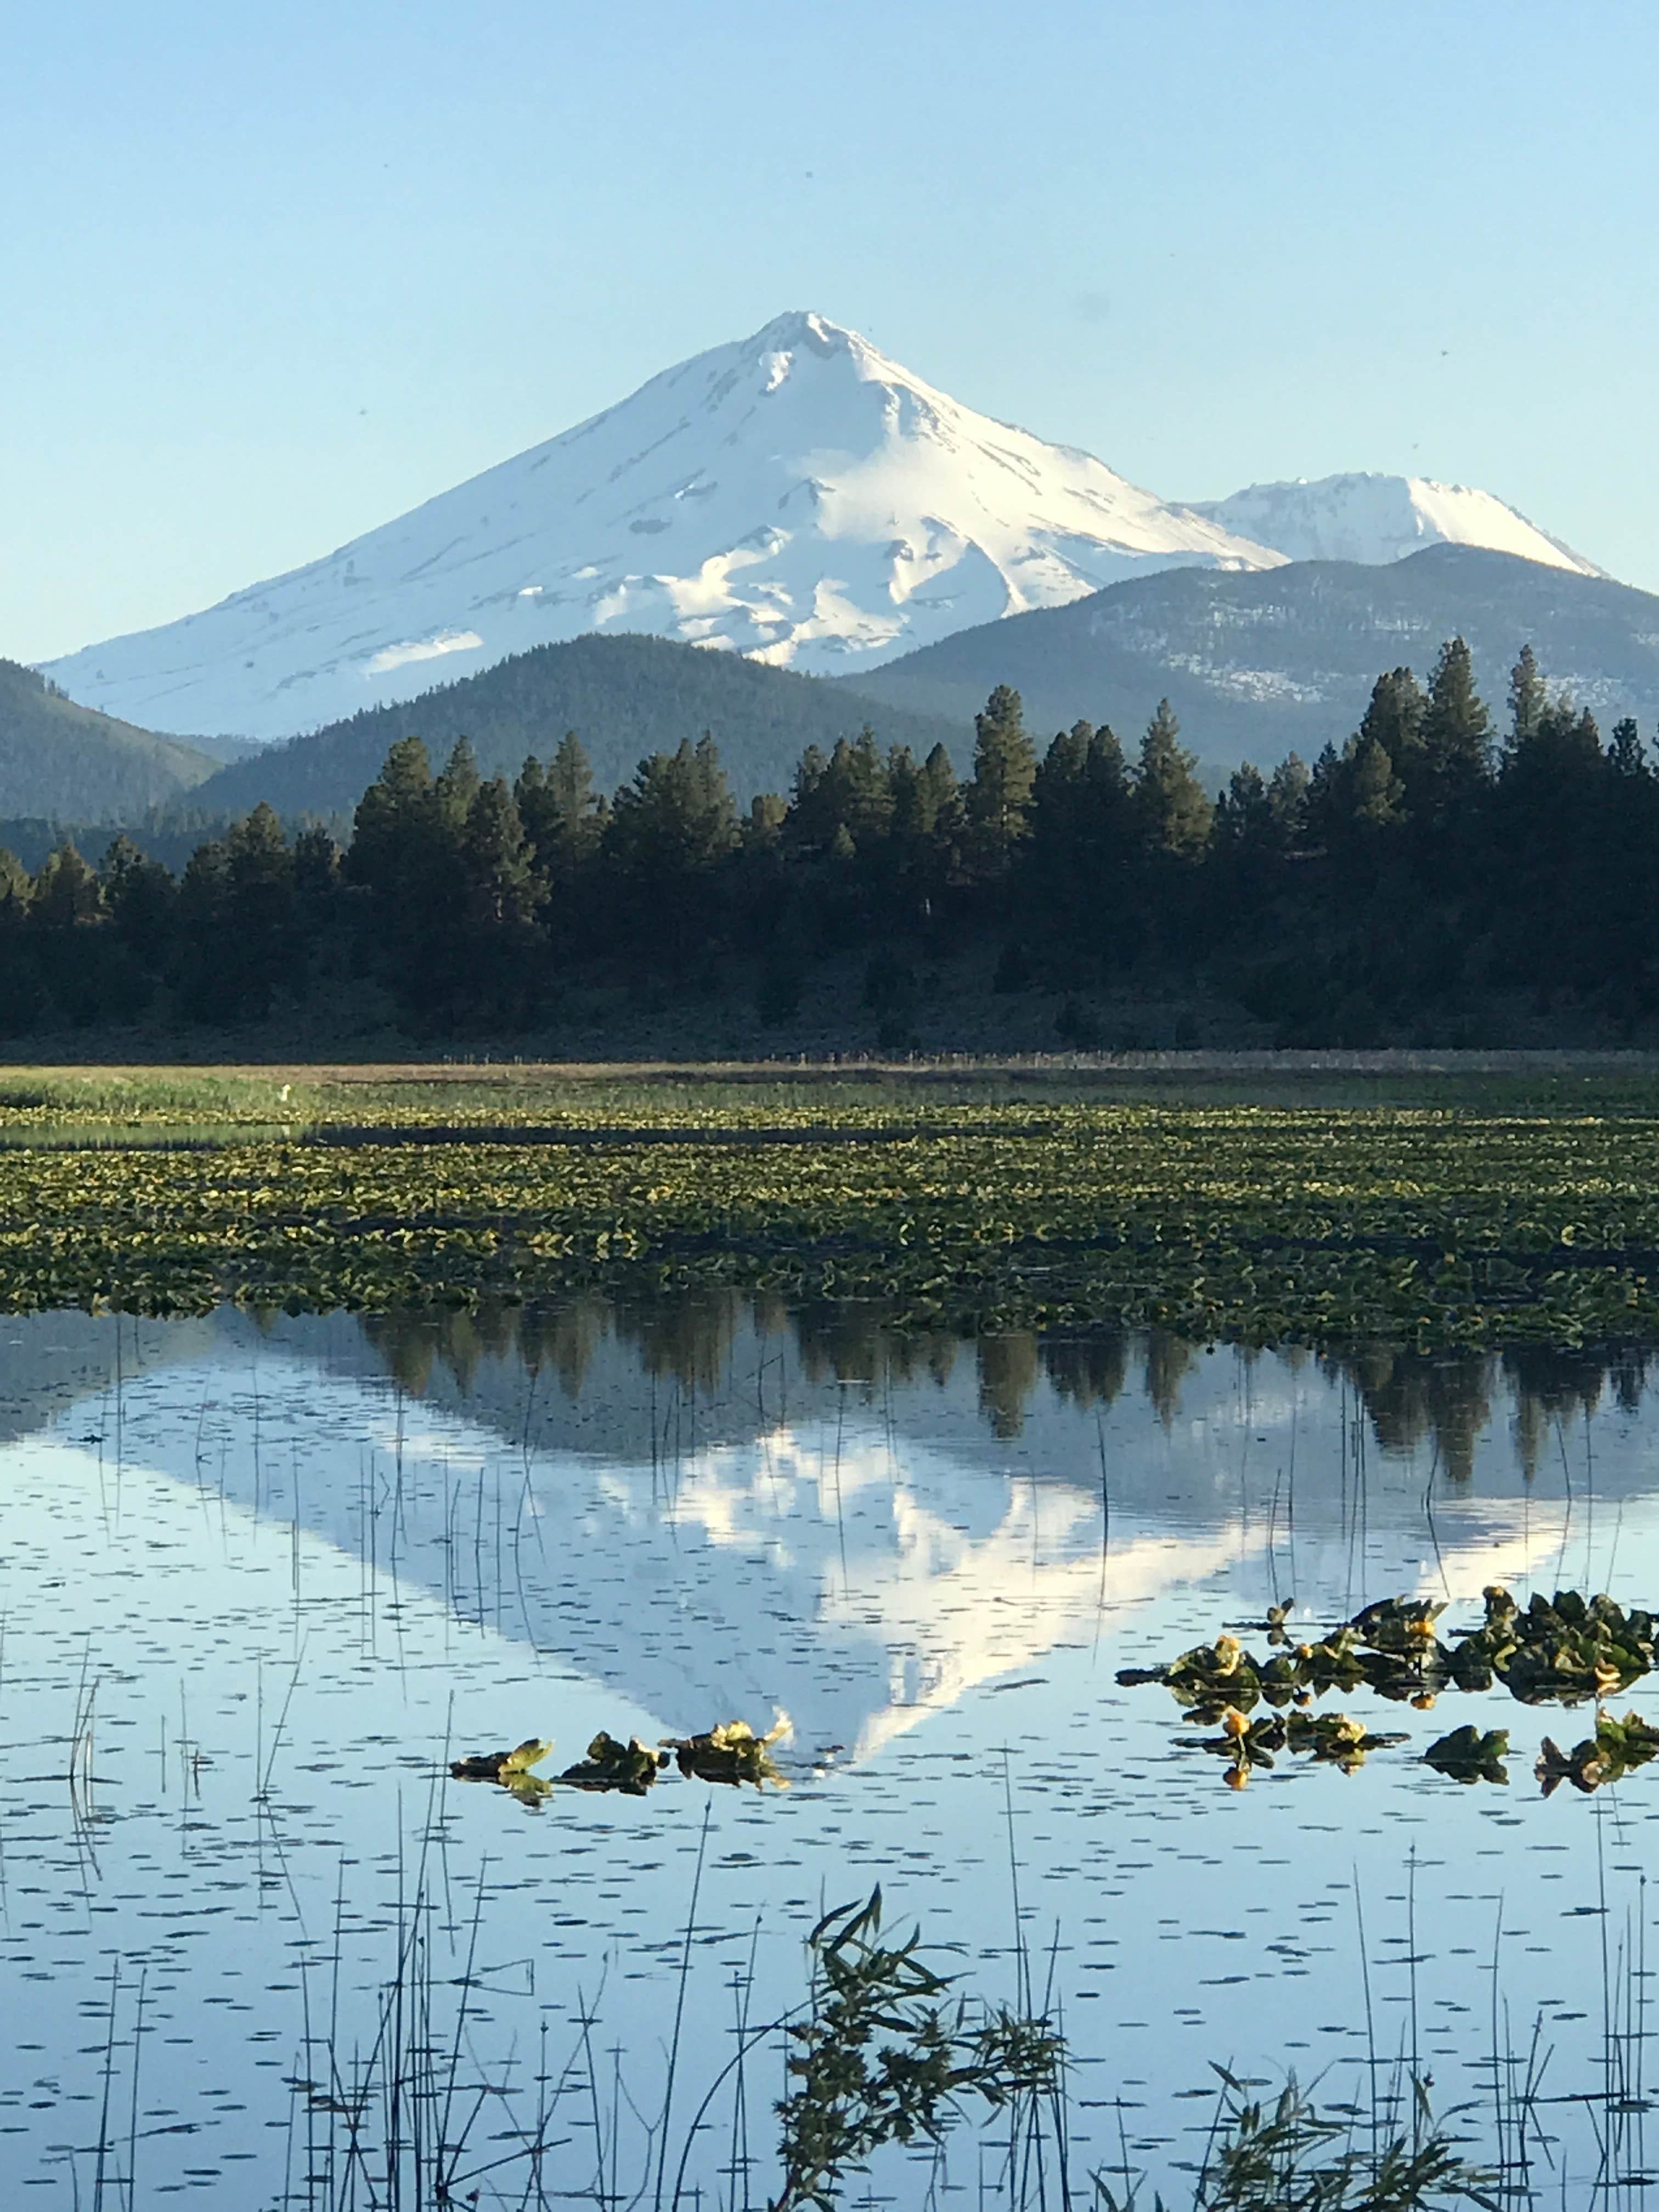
(1244, 817)
(65, 892)
(457, 786)
(1457, 738)
(939, 796)
(1106, 778)
(1324, 809)
(257, 851)
(563, 816)
(138, 897)
(1529, 697)
(1394, 715)
(1627, 755)
(570, 780)
(1287, 800)
(764, 824)
(255, 895)
(1375, 791)
(1174, 812)
(316, 867)
(394, 819)
(496, 862)
(676, 819)
(997, 801)
(1081, 838)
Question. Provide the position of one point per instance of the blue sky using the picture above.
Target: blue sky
(271, 277)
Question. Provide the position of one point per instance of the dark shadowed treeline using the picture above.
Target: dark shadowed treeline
(1436, 876)
(1442, 1405)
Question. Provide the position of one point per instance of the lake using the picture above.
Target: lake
(263, 1579)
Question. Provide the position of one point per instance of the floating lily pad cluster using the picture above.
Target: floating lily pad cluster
(1566, 1650)
(1616, 1747)
(729, 1753)
(1332, 1737)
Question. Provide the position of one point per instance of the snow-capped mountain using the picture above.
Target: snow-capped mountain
(796, 496)
(1376, 519)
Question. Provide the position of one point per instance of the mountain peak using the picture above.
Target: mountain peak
(804, 327)
(795, 496)
(1372, 517)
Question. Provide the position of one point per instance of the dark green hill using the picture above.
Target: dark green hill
(71, 762)
(1259, 664)
(624, 696)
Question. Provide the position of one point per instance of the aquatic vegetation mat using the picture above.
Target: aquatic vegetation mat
(1453, 1228)
(1564, 1650)
(730, 1752)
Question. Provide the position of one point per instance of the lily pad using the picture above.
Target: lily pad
(1612, 1753)
(630, 1767)
(731, 1753)
(1471, 1754)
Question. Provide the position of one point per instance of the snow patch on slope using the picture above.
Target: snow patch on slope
(1374, 519)
(795, 496)
(430, 648)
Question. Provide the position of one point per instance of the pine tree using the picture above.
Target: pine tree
(394, 820)
(1106, 780)
(1375, 791)
(670, 829)
(1243, 816)
(1456, 740)
(139, 896)
(562, 815)
(65, 892)
(15, 885)
(457, 786)
(762, 827)
(1627, 755)
(1287, 799)
(1394, 715)
(997, 801)
(1081, 834)
(847, 798)
(496, 863)
(316, 867)
(1529, 697)
(257, 851)
(938, 796)
(1324, 806)
(1174, 812)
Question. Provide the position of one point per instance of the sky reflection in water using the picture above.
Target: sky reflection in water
(302, 1564)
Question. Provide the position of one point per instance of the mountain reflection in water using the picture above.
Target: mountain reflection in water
(299, 1562)
(718, 1505)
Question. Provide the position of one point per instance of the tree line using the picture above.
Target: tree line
(1435, 875)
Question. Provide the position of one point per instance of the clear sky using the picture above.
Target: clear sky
(273, 276)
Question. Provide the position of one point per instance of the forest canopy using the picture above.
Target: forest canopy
(1442, 865)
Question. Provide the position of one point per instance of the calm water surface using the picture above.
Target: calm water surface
(291, 1569)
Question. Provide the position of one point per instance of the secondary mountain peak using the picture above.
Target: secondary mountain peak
(1375, 518)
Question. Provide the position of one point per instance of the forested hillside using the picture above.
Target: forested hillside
(626, 697)
(1445, 876)
(63, 761)
(1260, 665)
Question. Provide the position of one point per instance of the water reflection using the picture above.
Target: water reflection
(303, 1563)
(1408, 1399)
